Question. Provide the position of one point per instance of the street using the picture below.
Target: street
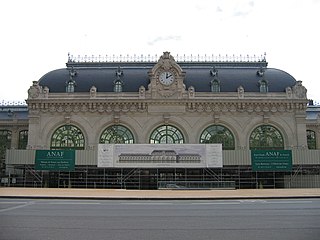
(293, 219)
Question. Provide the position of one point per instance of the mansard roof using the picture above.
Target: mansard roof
(13, 112)
(231, 75)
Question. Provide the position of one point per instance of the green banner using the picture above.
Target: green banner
(271, 160)
(55, 160)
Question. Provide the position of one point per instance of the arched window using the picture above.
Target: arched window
(263, 86)
(5, 143)
(311, 139)
(67, 137)
(166, 134)
(215, 86)
(266, 137)
(116, 134)
(117, 86)
(23, 139)
(218, 134)
(70, 86)
(71, 83)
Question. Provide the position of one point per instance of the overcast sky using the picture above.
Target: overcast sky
(36, 36)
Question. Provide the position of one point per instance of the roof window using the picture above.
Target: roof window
(263, 86)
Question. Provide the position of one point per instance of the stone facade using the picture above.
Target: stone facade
(191, 97)
(188, 110)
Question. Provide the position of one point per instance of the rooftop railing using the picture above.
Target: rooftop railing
(155, 58)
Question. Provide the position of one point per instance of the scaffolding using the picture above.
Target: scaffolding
(232, 177)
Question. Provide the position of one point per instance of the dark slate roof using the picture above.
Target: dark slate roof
(9, 113)
(230, 75)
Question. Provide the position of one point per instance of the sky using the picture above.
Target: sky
(37, 35)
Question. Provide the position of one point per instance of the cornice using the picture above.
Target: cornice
(194, 105)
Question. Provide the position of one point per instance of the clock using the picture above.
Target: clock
(166, 78)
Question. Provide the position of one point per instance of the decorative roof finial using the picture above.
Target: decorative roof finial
(260, 72)
(72, 73)
(214, 71)
(119, 73)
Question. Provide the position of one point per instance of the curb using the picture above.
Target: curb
(161, 198)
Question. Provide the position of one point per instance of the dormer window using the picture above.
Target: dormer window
(70, 86)
(215, 85)
(117, 86)
(263, 86)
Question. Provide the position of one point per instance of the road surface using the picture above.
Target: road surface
(33, 219)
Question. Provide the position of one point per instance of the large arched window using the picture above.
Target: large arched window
(266, 137)
(218, 134)
(67, 137)
(311, 139)
(166, 134)
(23, 139)
(116, 134)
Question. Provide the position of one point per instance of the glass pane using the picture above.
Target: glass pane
(311, 139)
(116, 134)
(266, 137)
(218, 134)
(5, 142)
(67, 137)
(215, 86)
(263, 87)
(23, 139)
(166, 134)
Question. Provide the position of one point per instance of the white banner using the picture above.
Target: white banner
(160, 155)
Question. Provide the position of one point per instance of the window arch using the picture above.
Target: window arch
(116, 134)
(166, 134)
(67, 137)
(266, 137)
(23, 139)
(311, 139)
(218, 134)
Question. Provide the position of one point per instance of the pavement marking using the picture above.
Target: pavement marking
(13, 202)
(16, 207)
(252, 201)
(289, 202)
(216, 203)
(156, 203)
(72, 203)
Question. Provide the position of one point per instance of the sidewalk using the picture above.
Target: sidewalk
(113, 194)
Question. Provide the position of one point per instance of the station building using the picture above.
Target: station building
(237, 102)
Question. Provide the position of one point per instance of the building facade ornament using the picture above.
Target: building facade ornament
(34, 90)
(299, 90)
(93, 92)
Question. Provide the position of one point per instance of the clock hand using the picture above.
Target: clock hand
(168, 75)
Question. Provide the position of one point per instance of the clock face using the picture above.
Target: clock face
(166, 78)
